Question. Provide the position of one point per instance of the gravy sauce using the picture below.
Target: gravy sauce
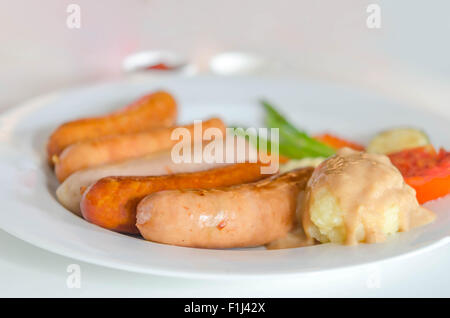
(365, 186)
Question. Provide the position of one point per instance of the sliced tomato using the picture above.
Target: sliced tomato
(427, 171)
(337, 142)
(413, 162)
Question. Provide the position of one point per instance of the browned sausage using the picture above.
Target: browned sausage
(111, 201)
(150, 111)
(116, 148)
(237, 216)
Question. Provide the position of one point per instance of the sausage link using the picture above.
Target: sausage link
(153, 110)
(111, 201)
(70, 191)
(237, 216)
(116, 148)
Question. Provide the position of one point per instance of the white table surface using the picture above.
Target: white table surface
(27, 271)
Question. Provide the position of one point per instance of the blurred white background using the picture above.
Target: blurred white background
(407, 58)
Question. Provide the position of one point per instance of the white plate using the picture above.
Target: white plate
(31, 212)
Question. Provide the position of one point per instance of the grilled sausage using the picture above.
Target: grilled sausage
(237, 216)
(152, 110)
(70, 191)
(116, 148)
(111, 202)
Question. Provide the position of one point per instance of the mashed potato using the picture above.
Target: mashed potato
(358, 197)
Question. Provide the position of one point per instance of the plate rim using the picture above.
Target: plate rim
(42, 100)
